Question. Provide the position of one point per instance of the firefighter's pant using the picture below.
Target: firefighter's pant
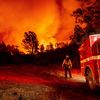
(67, 71)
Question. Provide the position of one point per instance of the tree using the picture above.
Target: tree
(5, 56)
(51, 46)
(42, 48)
(30, 42)
(13, 49)
(87, 16)
(77, 36)
(3, 47)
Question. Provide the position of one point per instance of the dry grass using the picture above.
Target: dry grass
(27, 92)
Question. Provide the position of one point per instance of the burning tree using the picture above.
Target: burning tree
(30, 42)
(42, 48)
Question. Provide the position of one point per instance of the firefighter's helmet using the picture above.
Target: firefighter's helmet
(67, 56)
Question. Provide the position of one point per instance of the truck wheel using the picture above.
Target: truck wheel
(89, 80)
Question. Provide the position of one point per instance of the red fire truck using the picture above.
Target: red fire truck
(90, 60)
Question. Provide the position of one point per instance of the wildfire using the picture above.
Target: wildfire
(51, 20)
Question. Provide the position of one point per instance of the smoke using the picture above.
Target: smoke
(16, 17)
(51, 20)
(67, 22)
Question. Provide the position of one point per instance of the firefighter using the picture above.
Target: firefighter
(67, 65)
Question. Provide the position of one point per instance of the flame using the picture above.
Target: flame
(51, 20)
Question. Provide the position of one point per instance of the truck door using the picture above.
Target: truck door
(98, 52)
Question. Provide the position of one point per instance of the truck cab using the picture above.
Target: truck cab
(90, 60)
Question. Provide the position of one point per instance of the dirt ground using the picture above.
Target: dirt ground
(28, 82)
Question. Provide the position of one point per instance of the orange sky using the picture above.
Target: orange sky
(50, 19)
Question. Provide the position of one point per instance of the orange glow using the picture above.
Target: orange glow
(51, 20)
(67, 22)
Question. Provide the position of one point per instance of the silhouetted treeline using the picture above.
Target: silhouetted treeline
(5, 56)
(7, 52)
(45, 58)
(11, 55)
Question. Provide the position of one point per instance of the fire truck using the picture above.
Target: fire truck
(90, 60)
